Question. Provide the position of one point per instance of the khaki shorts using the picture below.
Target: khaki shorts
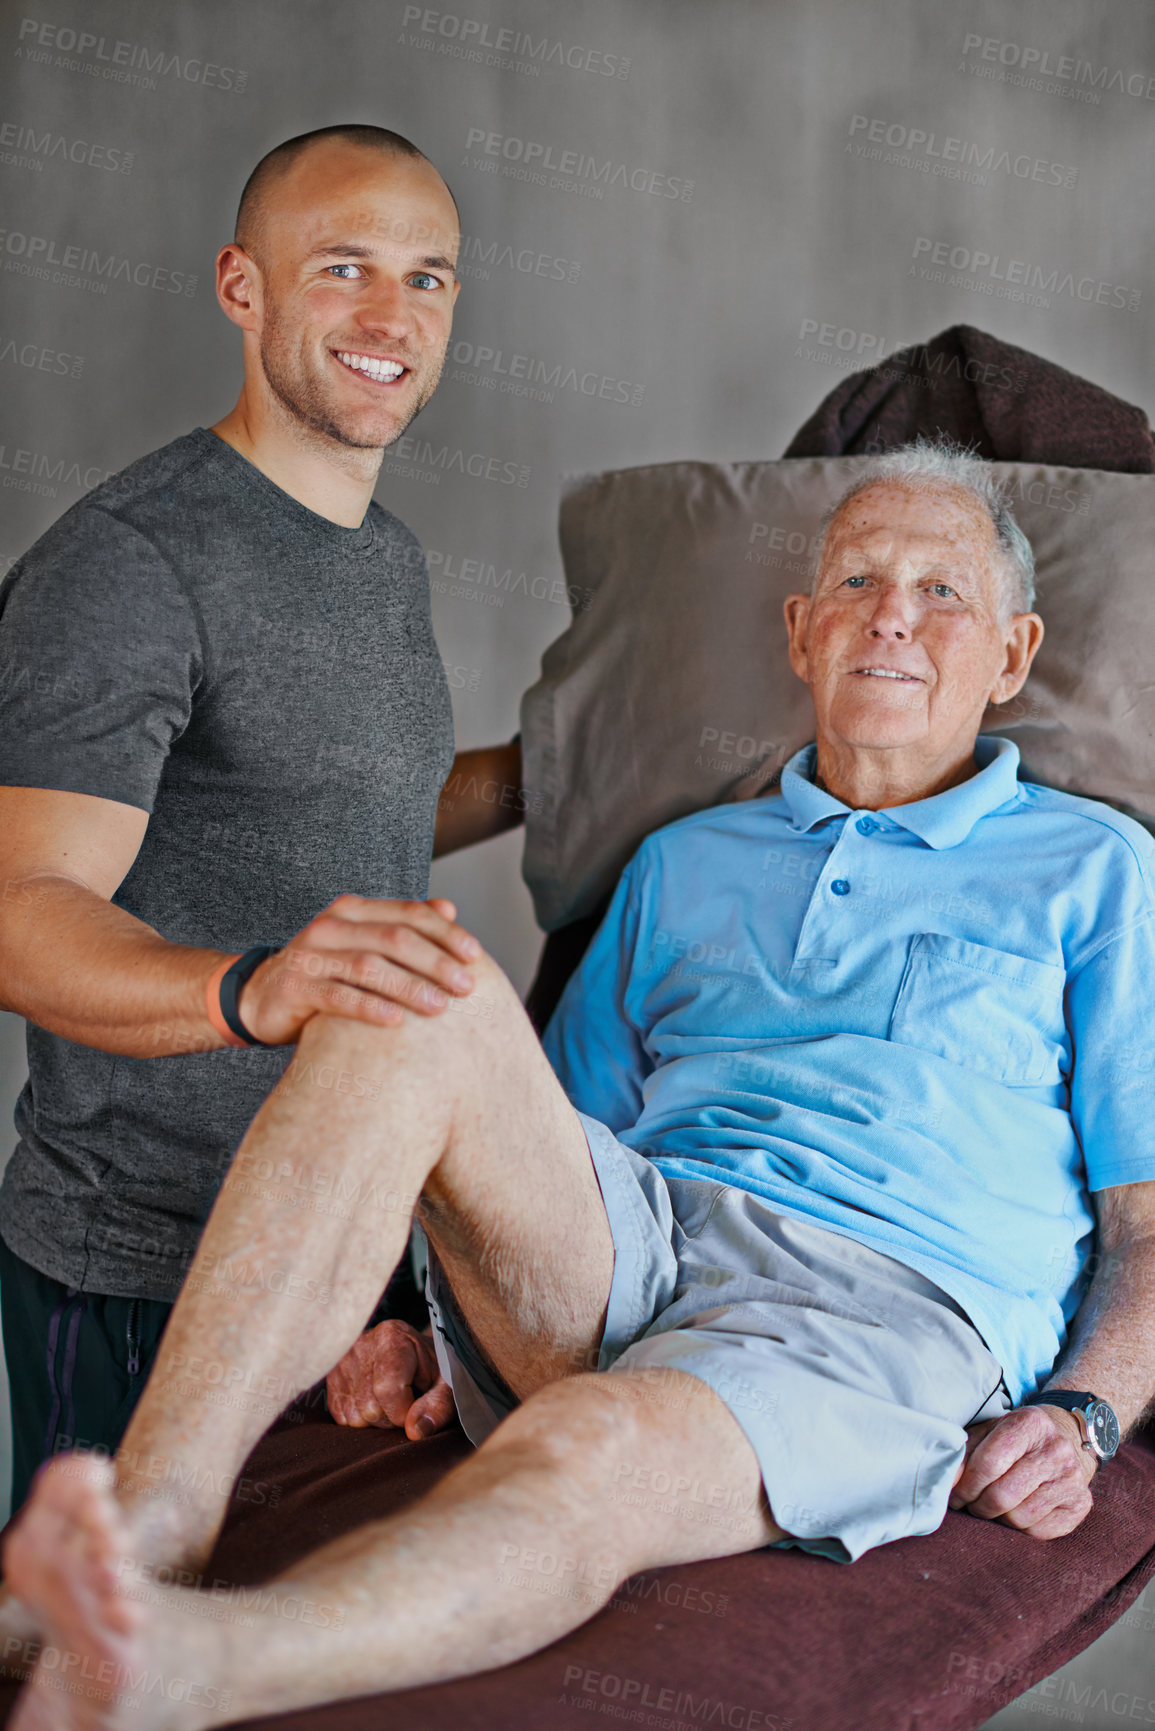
(852, 1376)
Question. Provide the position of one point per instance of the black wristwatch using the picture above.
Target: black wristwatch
(1100, 1426)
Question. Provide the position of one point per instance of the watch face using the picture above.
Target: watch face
(1104, 1428)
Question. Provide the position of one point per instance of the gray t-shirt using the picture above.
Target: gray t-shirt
(191, 640)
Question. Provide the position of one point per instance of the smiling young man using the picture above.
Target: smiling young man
(224, 724)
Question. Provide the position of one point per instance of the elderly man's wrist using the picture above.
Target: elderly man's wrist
(1072, 1423)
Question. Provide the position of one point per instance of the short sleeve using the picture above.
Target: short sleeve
(99, 657)
(592, 1040)
(1111, 1014)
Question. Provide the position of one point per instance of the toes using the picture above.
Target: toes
(74, 1484)
(69, 1552)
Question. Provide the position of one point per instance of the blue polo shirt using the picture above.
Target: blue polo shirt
(928, 1028)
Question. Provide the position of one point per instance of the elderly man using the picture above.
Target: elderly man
(814, 1221)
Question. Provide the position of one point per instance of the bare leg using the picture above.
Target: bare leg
(314, 1215)
(524, 1541)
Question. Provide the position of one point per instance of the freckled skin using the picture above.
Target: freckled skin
(909, 581)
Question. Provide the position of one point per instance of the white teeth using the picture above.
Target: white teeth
(884, 673)
(373, 365)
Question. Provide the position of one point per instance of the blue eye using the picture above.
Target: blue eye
(341, 267)
(855, 580)
(943, 589)
(423, 276)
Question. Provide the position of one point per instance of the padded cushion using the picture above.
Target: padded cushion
(672, 689)
(934, 1633)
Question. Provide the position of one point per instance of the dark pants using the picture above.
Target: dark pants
(78, 1361)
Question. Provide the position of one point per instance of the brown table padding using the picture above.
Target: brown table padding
(933, 1633)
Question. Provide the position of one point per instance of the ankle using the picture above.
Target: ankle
(169, 1526)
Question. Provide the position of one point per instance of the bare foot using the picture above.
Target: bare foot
(112, 1654)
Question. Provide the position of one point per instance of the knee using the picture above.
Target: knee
(492, 998)
(583, 1433)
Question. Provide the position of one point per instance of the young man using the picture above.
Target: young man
(222, 710)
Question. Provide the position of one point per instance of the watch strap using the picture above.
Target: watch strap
(1081, 1402)
(223, 995)
(1070, 1399)
(213, 1002)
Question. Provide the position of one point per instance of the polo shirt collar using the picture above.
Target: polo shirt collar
(941, 821)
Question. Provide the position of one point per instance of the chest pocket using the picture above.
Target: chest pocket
(993, 1013)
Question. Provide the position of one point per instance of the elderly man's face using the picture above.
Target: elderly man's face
(902, 644)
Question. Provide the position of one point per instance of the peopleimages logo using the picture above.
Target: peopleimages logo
(35, 255)
(509, 50)
(118, 61)
(25, 147)
(956, 158)
(1032, 65)
(630, 1694)
(42, 473)
(529, 376)
(416, 459)
(570, 170)
(477, 255)
(1017, 278)
(39, 358)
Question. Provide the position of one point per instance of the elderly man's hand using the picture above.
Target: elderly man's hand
(389, 1378)
(1028, 1469)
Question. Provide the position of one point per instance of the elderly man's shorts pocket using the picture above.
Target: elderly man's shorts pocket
(996, 1014)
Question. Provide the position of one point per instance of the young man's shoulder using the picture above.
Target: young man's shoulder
(154, 480)
(136, 499)
(397, 538)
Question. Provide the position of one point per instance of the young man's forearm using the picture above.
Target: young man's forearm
(75, 964)
(78, 966)
(482, 797)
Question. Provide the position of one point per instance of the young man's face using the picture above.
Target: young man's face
(356, 264)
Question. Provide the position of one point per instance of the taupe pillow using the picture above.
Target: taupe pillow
(671, 690)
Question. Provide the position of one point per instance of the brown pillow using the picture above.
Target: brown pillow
(671, 690)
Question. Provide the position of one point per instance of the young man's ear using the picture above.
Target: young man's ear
(238, 286)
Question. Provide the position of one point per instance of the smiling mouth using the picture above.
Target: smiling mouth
(375, 368)
(887, 673)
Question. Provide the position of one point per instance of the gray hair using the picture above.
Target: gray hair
(927, 464)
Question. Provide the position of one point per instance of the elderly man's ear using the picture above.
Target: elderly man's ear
(1024, 634)
(796, 609)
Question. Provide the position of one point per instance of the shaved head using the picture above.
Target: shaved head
(272, 168)
(343, 278)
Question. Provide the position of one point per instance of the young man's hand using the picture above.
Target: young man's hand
(1028, 1469)
(365, 959)
(389, 1378)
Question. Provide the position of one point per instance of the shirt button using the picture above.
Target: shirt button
(840, 887)
(867, 826)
